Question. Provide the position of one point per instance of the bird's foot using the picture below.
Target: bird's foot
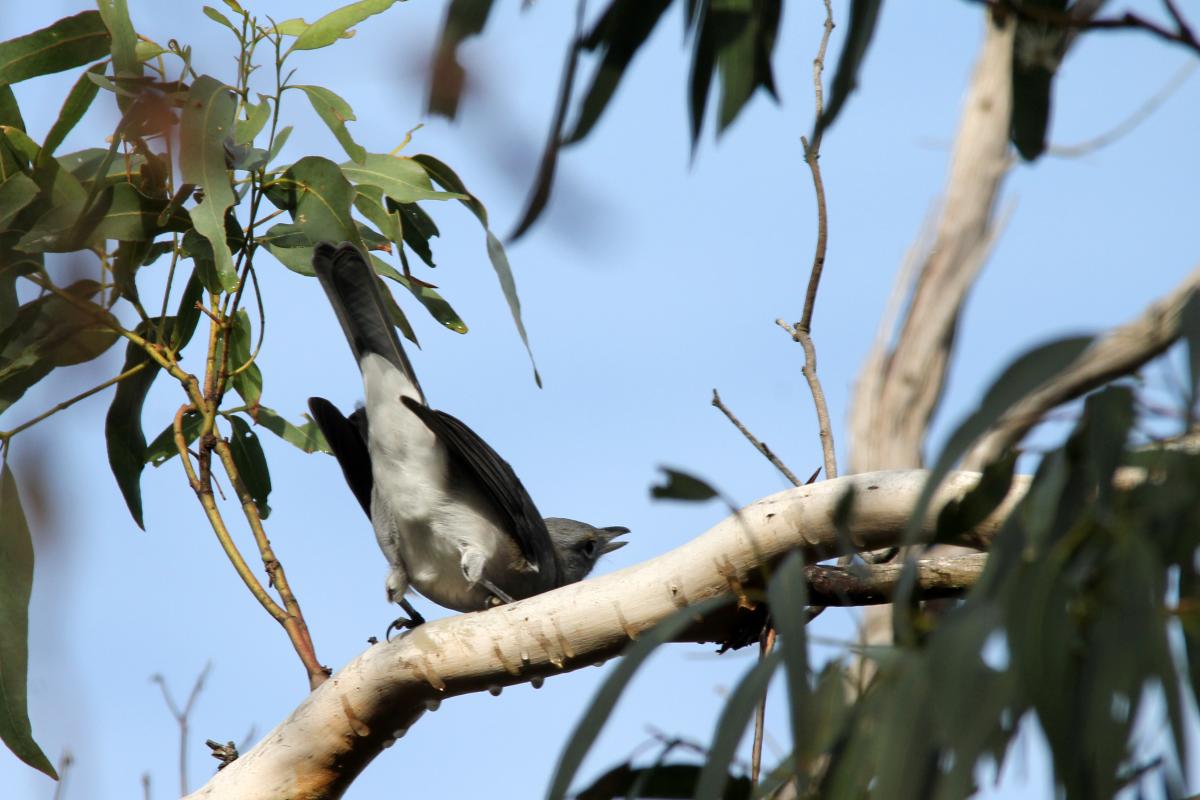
(499, 596)
(413, 620)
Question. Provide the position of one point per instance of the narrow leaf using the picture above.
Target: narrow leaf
(335, 113)
(207, 121)
(70, 42)
(16, 584)
(682, 486)
(307, 437)
(123, 433)
(334, 25)
(731, 727)
(163, 448)
(427, 296)
(402, 179)
(126, 64)
(256, 119)
(79, 99)
(787, 595)
(247, 383)
(251, 463)
(464, 18)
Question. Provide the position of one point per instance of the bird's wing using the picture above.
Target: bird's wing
(354, 292)
(495, 477)
(348, 442)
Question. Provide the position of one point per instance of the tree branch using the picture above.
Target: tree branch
(341, 726)
(864, 586)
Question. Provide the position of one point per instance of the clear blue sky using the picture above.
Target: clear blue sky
(650, 282)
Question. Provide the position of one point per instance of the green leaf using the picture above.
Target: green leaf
(207, 122)
(787, 596)
(257, 116)
(864, 14)
(126, 64)
(619, 33)
(1022, 376)
(744, 57)
(464, 18)
(682, 486)
(188, 314)
(610, 691)
(280, 140)
(15, 193)
(247, 383)
(449, 180)
(163, 448)
(320, 198)
(417, 229)
(402, 179)
(74, 107)
(146, 51)
(335, 113)
(84, 164)
(334, 25)
(427, 296)
(369, 202)
(70, 42)
(731, 727)
(123, 425)
(219, 18)
(16, 584)
(251, 463)
(307, 437)
(134, 217)
(1189, 329)
(704, 60)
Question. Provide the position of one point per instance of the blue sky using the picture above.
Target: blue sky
(651, 281)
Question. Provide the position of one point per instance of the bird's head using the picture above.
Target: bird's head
(580, 545)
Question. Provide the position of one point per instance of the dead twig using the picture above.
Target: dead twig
(760, 446)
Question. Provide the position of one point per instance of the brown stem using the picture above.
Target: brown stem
(760, 715)
(760, 446)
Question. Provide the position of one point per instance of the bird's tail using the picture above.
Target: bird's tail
(354, 292)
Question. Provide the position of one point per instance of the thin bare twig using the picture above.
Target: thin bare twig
(64, 766)
(760, 446)
(802, 330)
(766, 645)
(181, 716)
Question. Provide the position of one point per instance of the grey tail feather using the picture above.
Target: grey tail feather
(354, 292)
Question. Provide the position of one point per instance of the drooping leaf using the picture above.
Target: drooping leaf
(334, 25)
(417, 228)
(731, 727)
(69, 42)
(682, 486)
(369, 202)
(16, 584)
(307, 437)
(427, 296)
(123, 433)
(248, 382)
(320, 198)
(464, 18)
(704, 61)
(251, 463)
(449, 180)
(207, 121)
(335, 113)
(126, 65)
(404, 180)
(744, 57)
(73, 108)
(188, 314)
(163, 448)
(610, 691)
(864, 14)
(618, 34)
(787, 595)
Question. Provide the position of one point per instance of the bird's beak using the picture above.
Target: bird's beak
(609, 534)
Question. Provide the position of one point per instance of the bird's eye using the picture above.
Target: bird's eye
(589, 547)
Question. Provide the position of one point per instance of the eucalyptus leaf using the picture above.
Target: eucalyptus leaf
(336, 24)
(207, 121)
(251, 463)
(69, 42)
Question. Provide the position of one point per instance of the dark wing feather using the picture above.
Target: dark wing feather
(348, 442)
(496, 478)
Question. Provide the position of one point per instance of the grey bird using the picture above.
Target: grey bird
(451, 516)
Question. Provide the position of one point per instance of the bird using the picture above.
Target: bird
(451, 516)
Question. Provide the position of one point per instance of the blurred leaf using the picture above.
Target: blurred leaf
(334, 25)
(251, 463)
(434, 303)
(84, 164)
(666, 781)
(744, 56)
(682, 486)
(1189, 328)
(335, 113)
(787, 596)
(16, 584)
(15, 193)
(704, 60)
(207, 122)
(731, 727)
(123, 433)
(1022, 376)
(10, 116)
(449, 180)
(613, 687)
(125, 265)
(134, 217)
(307, 437)
(247, 383)
(961, 515)
(1038, 49)
(621, 30)
(864, 14)
(257, 116)
(74, 107)
(320, 198)
(464, 18)
(163, 448)
(70, 42)
(402, 179)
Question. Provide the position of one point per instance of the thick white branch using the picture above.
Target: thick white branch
(339, 728)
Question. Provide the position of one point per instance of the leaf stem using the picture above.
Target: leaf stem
(64, 405)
